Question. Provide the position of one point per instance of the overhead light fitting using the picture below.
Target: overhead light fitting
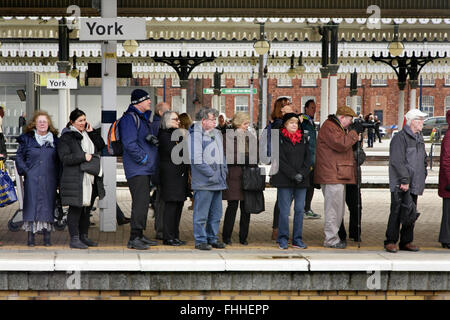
(291, 72)
(396, 47)
(262, 46)
(300, 68)
(130, 46)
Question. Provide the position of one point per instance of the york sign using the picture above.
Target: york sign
(98, 29)
(68, 83)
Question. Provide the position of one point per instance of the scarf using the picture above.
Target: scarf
(48, 138)
(295, 137)
(88, 179)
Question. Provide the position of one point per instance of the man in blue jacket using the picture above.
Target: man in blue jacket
(209, 172)
(140, 160)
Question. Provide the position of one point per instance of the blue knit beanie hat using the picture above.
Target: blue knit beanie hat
(139, 95)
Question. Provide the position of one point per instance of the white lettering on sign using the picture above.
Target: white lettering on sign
(95, 29)
(69, 83)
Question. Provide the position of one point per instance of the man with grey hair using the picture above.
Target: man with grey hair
(407, 172)
(209, 172)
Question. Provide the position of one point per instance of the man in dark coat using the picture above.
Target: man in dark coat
(140, 161)
(407, 171)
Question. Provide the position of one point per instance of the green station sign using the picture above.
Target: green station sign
(229, 91)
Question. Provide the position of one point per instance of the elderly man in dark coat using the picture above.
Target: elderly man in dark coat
(407, 171)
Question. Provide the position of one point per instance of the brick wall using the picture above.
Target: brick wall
(223, 295)
(375, 98)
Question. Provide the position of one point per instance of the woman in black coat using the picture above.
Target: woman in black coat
(173, 179)
(77, 145)
(37, 161)
(291, 180)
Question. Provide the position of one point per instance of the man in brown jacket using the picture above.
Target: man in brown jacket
(336, 167)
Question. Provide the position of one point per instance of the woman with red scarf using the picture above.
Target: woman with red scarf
(294, 166)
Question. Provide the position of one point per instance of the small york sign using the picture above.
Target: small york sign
(98, 29)
(69, 83)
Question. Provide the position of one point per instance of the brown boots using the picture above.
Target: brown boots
(274, 234)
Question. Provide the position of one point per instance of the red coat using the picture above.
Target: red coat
(444, 169)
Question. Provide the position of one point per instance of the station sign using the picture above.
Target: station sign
(68, 83)
(101, 29)
(230, 91)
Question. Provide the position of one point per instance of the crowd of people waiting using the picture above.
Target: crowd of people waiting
(305, 160)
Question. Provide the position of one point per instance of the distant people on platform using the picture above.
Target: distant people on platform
(140, 162)
(292, 180)
(377, 128)
(186, 123)
(407, 174)
(3, 151)
(209, 172)
(78, 147)
(309, 129)
(37, 161)
(173, 179)
(351, 199)
(222, 125)
(281, 106)
(335, 167)
(370, 130)
(444, 188)
(235, 194)
(22, 122)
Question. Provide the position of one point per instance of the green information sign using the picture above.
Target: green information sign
(230, 91)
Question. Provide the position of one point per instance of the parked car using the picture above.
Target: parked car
(383, 132)
(439, 123)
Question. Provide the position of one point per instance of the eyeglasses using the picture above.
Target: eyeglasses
(175, 119)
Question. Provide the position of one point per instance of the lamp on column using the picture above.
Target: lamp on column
(300, 68)
(74, 73)
(130, 46)
(396, 47)
(262, 46)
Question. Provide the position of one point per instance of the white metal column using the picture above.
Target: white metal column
(323, 95)
(332, 107)
(64, 98)
(107, 205)
(401, 108)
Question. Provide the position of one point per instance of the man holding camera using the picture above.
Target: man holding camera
(335, 167)
(140, 161)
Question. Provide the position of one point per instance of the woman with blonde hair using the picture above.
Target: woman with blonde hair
(37, 160)
(234, 194)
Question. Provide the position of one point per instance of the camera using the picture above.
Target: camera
(150, 138)
(365, 125)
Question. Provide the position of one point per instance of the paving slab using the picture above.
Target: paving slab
(181, 261)
(342, 261)
(24, 261)
(97, 262)
(418, 261)
(264, 262)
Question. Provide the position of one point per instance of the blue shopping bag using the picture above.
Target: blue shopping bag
(7, 192)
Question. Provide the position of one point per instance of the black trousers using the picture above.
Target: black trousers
(140, 197)
(171, 219)
(230, 218)
(444, 234)
(351, 199)
(78, 220)
(158, 213)
(276, 215)
(393, 227)
(309, 192)
(378, 135)
(370, 138)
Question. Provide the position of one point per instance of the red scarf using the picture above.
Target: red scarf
(294, 137)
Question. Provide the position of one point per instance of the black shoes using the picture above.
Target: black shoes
(30, 241)
(84, 238)
(76, 243)
(227, 242)
(137, 244)
(181, 242)
(174, 242)
(203, 246)
(218, 245)
(148, 241)
(339, 245)
(124, 220)
(244, 243)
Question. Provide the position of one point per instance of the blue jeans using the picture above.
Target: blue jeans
(285, 196)
(207, 214)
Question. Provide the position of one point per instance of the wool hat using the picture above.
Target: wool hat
(345, 111)
(289, 116)
(415, 114)
(139, 95)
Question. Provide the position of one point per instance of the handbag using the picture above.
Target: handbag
(252, 179)
(93, 166)
(254, 201)
(408, 210)
(7, 192)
